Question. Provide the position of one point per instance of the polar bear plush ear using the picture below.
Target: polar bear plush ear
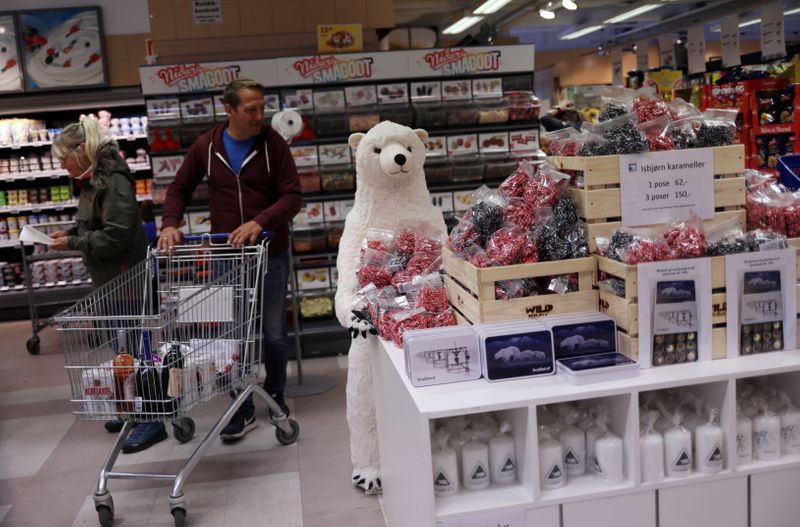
(422, 134)
(354, 140)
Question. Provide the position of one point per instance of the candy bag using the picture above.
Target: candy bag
(648, 105)
(718, 128)
(515, 184)
(686, 238)
(487, 212)
(616, 101)
(658, 134)
(463, 236)
(726, 238)
(507, 245)
(545, 186)
(622, 133)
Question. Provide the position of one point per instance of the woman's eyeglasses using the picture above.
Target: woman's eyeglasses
(62, 157)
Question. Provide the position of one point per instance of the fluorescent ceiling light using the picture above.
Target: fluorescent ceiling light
(569, 4)
(491, 6)
(462, 25)
(792, 11)
(547, 14)
(750, 22)
(581, 32)
(632, 13)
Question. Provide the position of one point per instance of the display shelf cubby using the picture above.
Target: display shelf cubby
(405, 414)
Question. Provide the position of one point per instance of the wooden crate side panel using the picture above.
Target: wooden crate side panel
(605, 229)
(518, 308)
(606, 203)
(604, 170)
(624, 312)
(620, 270)
(459, 268)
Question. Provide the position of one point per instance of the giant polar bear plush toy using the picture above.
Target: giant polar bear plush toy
(390, 184)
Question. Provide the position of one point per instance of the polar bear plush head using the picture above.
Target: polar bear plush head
(389, 152)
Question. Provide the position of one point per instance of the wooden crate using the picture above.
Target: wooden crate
(471, 290)
(625, 310)
(600, 203)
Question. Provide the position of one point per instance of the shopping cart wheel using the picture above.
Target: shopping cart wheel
(33, 345)
(183, 429)
(105, 515)
(287, 439)
(179, 515)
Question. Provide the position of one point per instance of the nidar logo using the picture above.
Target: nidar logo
(334, 69)
(194, 77)
(460, 61)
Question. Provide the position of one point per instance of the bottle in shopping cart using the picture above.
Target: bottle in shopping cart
(124, 378)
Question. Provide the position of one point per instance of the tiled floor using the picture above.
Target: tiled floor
(49, 462)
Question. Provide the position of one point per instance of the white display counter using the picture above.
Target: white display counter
(404, 420)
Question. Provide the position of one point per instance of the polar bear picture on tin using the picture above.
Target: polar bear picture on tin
(519, 355)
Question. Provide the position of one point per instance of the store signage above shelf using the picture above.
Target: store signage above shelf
(325, 69)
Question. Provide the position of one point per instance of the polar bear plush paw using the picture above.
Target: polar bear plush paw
(360, 326)
(368, 479)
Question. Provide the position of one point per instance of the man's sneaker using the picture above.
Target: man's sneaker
(114, 426)
(240, 424)
(278, 398)
(143, 436)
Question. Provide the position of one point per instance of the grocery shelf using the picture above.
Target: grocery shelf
(55, 174)
(57, 294)
(39, 207)
(433, 132)
(35, 144)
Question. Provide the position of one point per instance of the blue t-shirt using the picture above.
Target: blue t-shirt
(237, 150)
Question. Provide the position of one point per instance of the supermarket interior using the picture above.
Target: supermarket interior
(455, 263)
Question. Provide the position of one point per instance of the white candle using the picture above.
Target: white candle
(744, 439)
(445, 472)
(591, 438)
(790, 428)
(678, 452)
(609, 454)
(573, 444)
(551, 467)
(767, 436)
(708, 438)
(457, 442)
(475, 465)
(651, 447)
(502, 456)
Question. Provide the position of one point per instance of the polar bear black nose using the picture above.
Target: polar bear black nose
(400, 159)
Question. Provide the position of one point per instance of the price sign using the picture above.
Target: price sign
(659, 187)
(666, 51)
(696, 47)
(773, 43)
(729, 36)
(642, 56)
(616, 67)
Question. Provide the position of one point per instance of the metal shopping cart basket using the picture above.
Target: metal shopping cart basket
(175, 331)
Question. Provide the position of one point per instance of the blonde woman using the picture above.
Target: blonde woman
(108, 229)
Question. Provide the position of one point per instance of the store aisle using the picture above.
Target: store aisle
(49, 462)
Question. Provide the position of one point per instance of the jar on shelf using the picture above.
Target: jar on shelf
(362, 118)
(438, 169)
(493, 111)
(397, 113)
(315, 304)
(309, 239)
(333, 234)
(468, 168)
(338, 178)
(523, 106)
(430, 115)
(461, 113)
(499, 166)
(309, 179)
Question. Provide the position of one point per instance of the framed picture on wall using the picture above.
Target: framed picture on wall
(62, 48)
(10, 69)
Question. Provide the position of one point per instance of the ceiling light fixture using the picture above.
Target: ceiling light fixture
(581, 32)
(796, 10)
(632, 13)
(569, 4)
(548, 13)
(491, 6)
(462, 25)
(792, 11)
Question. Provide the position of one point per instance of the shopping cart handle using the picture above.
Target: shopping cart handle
(219, 236)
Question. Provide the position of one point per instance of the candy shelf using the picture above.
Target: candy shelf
(404, 414)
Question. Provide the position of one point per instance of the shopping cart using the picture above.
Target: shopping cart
(175, 331)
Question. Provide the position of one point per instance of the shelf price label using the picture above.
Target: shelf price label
(659, 187)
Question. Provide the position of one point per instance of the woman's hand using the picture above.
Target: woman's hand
(60, 244)
(59, 234)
